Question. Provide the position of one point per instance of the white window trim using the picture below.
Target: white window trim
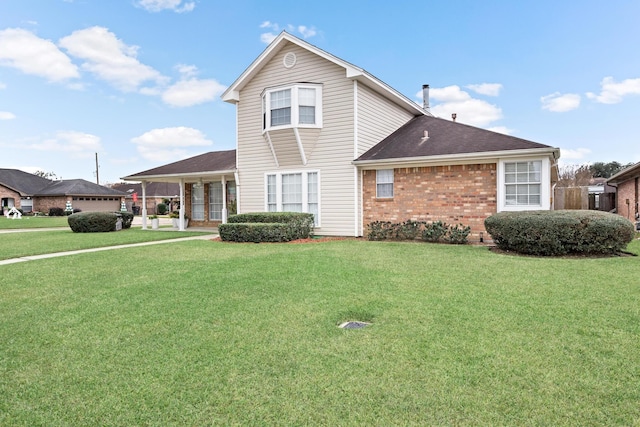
(545, 186)
(305, 192)
(266, 106)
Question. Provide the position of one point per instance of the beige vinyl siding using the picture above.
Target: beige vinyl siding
(329, 150)
(377, 118)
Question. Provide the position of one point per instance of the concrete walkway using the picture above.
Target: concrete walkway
(213, 233)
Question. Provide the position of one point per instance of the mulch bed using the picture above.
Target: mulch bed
(303, 241)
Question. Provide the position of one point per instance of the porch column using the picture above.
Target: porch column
(144, 205)
(224, 200)
(181, 221)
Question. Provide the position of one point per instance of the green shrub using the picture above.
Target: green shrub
(93, 222)
(434, 231)
(550, 233)
(127, 219)
(408, 230)
(56, 212)
(162, 208)
(457, 234)
(380, 230)
(267, 227)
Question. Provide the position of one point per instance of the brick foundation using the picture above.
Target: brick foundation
(457, 194)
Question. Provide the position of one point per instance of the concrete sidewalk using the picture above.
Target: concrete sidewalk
(106, 248)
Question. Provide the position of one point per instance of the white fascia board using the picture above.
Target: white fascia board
(448, 159)
(177, 176)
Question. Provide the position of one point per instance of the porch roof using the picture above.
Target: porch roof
(204, 166)
(631, 172)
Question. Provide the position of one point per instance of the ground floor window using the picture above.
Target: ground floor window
(384, 183)
(197, 202)
(215, 201)
(523, 182)
(293, 192)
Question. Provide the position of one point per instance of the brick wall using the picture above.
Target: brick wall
(42, 204)
(6, 193)
(627, 191)
(453, 194)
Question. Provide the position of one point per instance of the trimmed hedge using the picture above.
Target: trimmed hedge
(94, 222)
(436, 231)
(267, 227)
(127, 219)
(550, 233)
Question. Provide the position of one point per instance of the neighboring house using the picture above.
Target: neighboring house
(318, 134)
(156, 193)
(627, 184)
(33, 193)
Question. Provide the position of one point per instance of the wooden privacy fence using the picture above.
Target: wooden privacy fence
(579, 198)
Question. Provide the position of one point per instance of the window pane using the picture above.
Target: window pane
(280, 107)
(307, 115)
(312, 195)
(271, 193)
(292, 192)
(197, 202)
(215, 201)
(307, 96)
(384, 183)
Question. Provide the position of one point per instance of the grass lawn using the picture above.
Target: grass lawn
(15, 245)
(33, 222)
(210, 333)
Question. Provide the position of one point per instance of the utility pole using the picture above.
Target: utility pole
(97, 176)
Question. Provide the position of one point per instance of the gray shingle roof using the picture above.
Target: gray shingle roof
(77, 187)
(445, 138)
(208, 162)
(27, 184)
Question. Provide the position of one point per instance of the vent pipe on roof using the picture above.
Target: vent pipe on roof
(453, 116)
(425, 97)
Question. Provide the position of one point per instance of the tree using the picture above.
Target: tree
(607, 170)
(574, 176)
(48, 175)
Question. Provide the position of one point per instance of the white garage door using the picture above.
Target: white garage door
(97, 204)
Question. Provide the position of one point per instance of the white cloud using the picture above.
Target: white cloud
(110, 59)
(468, 110)
(30, 54)
(160, 5)
(2, 86)
(612, 92)
(301, 30)
(574, 154)
(190, 90)
(559, 103)
(186, 93)
(5, 115)
(78, 144)
(489, 89)
(166, 144)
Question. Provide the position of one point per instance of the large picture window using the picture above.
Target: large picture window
(523, 182)
(293, 192)
(298, 105)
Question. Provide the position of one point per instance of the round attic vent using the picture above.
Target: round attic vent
(289, 60)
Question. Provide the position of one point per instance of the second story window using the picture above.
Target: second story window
(298, 105)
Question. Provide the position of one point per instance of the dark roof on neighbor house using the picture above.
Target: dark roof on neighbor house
(625, 174)
(77, 187)
(445, 138)
(153, 189)
(212, 161)
(27, 184)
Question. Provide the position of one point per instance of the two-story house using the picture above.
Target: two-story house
(318, 134)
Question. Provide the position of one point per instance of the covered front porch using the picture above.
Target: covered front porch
(207, 188)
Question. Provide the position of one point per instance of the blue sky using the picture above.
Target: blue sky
(139, 81)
